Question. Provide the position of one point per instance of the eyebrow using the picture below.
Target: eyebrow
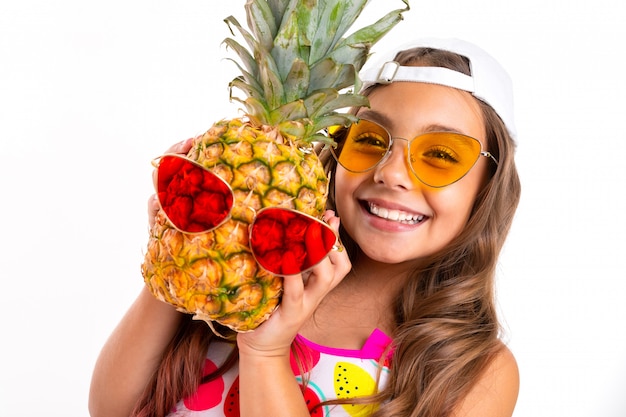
(443, 128)
(377, 117)
(386, 122)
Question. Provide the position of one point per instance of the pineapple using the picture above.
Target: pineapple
(296, 71)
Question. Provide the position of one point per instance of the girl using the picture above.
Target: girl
(401, 323)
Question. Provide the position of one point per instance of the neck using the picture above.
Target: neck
(383, 280)
(363, 301)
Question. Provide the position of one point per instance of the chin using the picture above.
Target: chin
(388, 256)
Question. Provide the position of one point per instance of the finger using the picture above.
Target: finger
(293, 290)
(341, 262)
(303, 292)
(332, 220)
(325, 276)
(328, 216)
(181, 147)
(153, 209)
(338, 255)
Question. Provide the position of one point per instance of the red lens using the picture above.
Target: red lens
(286, 242)
(193, 198)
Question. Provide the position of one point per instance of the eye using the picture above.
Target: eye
(440, 156)
(371, 139)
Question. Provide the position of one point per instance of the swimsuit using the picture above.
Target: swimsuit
(329, 374)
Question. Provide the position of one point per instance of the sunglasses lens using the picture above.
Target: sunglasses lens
(192, 197)
(438, 158)
(441, 158)
(365, 144)
(286, 242)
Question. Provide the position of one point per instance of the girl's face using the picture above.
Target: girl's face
(370, 203)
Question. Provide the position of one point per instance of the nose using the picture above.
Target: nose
(394, 171)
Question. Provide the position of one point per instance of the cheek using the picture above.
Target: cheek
(345, 184)
(453, 206)
(458, 199)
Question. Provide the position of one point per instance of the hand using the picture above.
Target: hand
(153, 203)
(302, 294)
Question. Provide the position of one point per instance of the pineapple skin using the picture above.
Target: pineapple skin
(214, 275)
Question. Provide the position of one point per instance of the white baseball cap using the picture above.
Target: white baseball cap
(489, 81)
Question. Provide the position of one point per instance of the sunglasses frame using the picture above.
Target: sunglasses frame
(388, 151)
(156, 164)
(334, 246)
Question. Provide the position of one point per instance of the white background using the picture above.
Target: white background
(90, 92)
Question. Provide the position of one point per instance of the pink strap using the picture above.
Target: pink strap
(374, 347)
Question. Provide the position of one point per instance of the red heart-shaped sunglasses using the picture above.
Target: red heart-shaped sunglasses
(195, 200)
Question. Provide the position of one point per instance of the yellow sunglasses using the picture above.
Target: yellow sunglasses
(437, 159)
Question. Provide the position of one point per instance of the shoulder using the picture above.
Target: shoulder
(495, 393)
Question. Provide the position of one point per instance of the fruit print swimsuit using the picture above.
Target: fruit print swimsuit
(331, 374)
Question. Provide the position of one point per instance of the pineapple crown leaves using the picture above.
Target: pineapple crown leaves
(297, 62)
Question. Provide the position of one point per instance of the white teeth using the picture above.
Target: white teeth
(395, 215)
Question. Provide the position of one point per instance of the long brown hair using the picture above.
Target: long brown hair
(447, 328)
(180, 371)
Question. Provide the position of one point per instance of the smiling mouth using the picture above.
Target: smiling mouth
(395, 215)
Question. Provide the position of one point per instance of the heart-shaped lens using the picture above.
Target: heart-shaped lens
(287, 242)
(442, 158)
(193, 198)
